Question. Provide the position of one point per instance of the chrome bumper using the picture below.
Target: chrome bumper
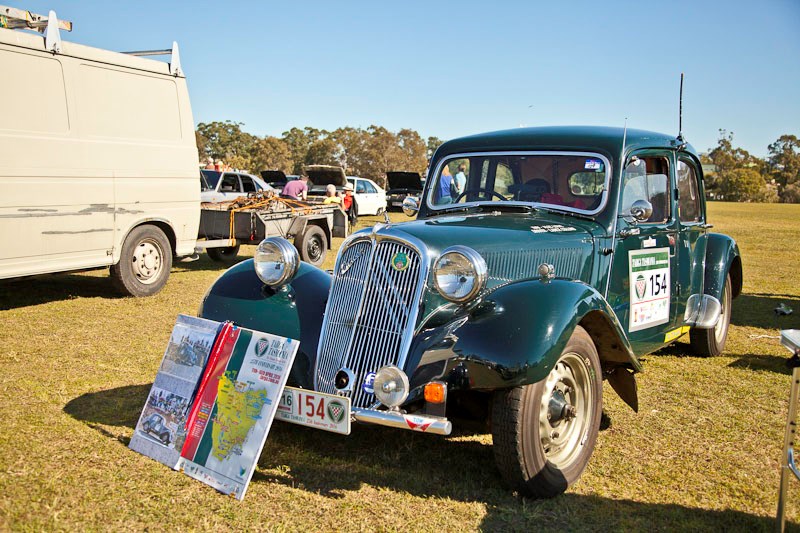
(394, 419)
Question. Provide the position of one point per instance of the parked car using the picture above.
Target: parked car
(156, 425)
(570, 253)
(402, 185)
(371, 198)
(99, 159)
(216, 186)
(277, 179)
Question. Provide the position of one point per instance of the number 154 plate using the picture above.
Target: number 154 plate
(315, 409)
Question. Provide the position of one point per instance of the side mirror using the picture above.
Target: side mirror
(411, 206)
(641, 210)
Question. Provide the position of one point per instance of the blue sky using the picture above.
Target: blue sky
(455, 68)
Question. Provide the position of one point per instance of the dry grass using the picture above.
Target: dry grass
(703, 453)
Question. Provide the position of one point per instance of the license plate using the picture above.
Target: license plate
(397, 204)
(318, 410)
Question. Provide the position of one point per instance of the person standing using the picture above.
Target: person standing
(445, 187)
(460, 180)
(296, 189)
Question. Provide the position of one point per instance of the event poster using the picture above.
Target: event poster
(161, 428)
(235, 406)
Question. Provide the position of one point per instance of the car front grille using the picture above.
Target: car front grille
(371, 312)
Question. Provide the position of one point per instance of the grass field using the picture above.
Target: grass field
(76, 364)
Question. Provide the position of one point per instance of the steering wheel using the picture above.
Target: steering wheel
(490, 191)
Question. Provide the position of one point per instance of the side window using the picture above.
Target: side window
(503, 179)
(688, 191)
(230, 183)
(360, 187)
(368, 187)
(248, 185)
(647, 178)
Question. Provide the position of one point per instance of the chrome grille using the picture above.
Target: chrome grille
(370, 314)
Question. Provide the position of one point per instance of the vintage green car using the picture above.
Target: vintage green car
(542, 261)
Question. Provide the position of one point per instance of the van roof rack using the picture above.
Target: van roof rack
(17, 19)
(14, 19)
(20, 19)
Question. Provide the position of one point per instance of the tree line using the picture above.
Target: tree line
(368, 153)
(731, 174)
(738, 176)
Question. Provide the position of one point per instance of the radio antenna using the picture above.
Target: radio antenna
(680, 112)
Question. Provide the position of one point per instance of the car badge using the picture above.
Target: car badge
(400, 261)
(641, 286)
(345, 267)
(336, 411)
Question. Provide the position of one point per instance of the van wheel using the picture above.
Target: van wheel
(312, 245)
(543, 434)
(145, 262)
(711, 342)
(223, 255)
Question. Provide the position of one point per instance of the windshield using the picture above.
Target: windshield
(209, 179)
(568, 181)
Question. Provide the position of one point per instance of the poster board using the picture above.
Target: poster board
(229, 414)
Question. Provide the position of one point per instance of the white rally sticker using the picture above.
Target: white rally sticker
(648, 272)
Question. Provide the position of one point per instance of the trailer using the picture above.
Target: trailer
(249, 220)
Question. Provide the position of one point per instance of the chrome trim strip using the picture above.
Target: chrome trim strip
(394, 419)
(606, 182)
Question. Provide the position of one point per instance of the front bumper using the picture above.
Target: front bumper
(395, 419)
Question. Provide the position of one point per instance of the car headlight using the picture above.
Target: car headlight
(391, 386)
(459, 274)
(276, 261)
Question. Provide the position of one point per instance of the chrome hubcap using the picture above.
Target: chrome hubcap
(566, 409)
(147, 261)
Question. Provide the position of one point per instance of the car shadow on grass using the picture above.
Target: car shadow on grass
(458, 468)
(758, 310)
(35, 290)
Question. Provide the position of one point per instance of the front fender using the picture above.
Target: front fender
(722, 257)
(515, 336)
(294, 311)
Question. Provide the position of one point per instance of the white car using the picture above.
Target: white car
(225, 186)
(370, 198)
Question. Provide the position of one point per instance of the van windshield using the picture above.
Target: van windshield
(565, 181)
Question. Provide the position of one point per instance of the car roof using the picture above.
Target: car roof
(606, 140)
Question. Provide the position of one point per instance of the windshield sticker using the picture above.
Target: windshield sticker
(649, 275)
(551, 228)
(593, 164)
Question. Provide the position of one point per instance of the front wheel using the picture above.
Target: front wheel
(711, 342)
(312, 245)
(544, 434)
(144, 263)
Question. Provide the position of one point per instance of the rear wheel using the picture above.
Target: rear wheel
(544, 434)
(144, 263)
(711, 342)
(223, 255)
(312, 245)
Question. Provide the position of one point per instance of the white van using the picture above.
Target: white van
(98, 161)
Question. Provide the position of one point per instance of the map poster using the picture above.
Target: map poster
(235, 406)
(649, 288)
(160, 431)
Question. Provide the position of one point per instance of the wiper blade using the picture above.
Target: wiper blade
(562, 212)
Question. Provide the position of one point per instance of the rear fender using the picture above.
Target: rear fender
(294, 311)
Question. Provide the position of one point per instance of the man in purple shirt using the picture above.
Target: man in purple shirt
(297, 189)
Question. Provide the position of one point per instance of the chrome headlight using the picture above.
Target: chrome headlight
(391, 386)
(459, 274)
(276, 261)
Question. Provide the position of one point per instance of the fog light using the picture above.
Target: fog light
(436, 392)
(391, 386)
